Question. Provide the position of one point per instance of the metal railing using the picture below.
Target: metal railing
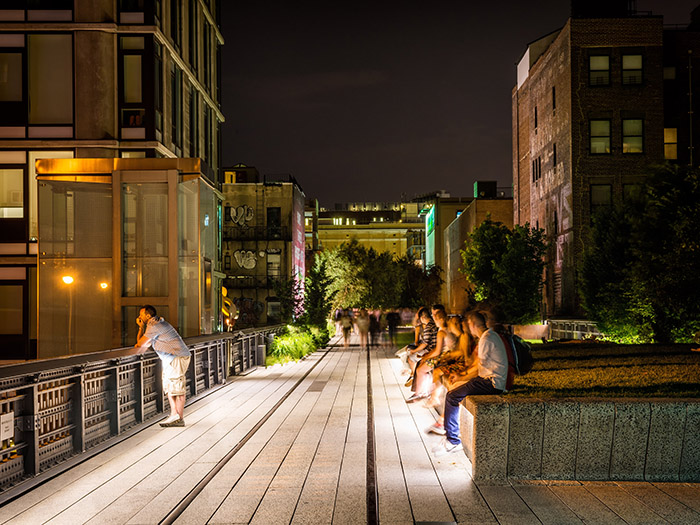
(572, 329)
(57, 412)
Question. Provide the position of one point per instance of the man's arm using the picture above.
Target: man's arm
(143, 344)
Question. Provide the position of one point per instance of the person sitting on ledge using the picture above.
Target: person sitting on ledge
(494, 376)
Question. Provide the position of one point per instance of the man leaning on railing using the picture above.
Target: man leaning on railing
(173, 352)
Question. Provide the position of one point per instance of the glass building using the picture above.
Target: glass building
(96, 79)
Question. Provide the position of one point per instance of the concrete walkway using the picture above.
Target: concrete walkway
(289, 444)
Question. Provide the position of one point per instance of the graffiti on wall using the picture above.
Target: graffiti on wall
(241, 215)
(245, 259)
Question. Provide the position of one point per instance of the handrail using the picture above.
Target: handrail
(57, 412)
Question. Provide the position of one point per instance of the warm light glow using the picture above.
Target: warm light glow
(67, 279)
(103, 286)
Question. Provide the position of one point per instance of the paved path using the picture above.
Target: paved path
(290, 445)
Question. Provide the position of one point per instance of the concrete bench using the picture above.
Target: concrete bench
(582, 438)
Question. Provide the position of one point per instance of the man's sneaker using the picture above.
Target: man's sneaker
(437, 428)
(445, 447)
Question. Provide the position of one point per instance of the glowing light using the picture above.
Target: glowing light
(67, 279)
(104, 286)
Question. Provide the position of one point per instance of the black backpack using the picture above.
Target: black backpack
(522, 354)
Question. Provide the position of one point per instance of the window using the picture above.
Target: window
(554, 99)
(175, 20)
(11, 193)
(537, 169)
(632, 136)
(671, 143)
(600, 137)
(601, 197)
(535, 118)
(554, 156)
(194, 34)
(11, 309)
(50, 79)
(158, 87)
(11, 77)
(631, 191)
(274, 222)
(274, 265)
(599, 70)
(670, 73)
(194, 123)
(176, 104)
(556, 223)
(631, 69)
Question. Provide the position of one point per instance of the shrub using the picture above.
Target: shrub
(296, 342)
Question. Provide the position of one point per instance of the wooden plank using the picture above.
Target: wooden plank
(664, 505)
(545, 504)
(585, 505)
(242, 502)
(686, 493)
(629, 509)
(507, 505)
(317, 499)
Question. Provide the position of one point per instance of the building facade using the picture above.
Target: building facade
(263, 243)
(456, 297)
(385, 227)
(588, 125)
(94, 79)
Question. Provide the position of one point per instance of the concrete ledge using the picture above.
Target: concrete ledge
(582, 438)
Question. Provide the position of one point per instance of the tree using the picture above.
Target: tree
(315, 289)
(653, 294)
(291, 297)
(361, 277)
(505, 268)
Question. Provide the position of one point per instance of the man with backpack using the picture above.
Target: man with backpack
(494, 376)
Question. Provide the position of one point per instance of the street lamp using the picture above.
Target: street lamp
(69, 281)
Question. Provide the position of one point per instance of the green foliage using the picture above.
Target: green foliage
(361, 277)
(317, 309)
(291, 297)
(505, 268)
(641, 269)
(296, 342)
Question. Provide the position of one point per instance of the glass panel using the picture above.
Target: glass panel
(600, 128)
(601, 194)
(10, 77)
(129, 327)
(11, 303)
(50, 79)
(600, 63)
(600, 145)
(671, 151)
(33, 156)
(132, 42)
(632, 127)
(145, 239)
(670, 135)
(11, 193)
(132, 78)
(631, 61)
(632, 145)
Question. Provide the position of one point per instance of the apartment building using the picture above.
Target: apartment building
(94, 79)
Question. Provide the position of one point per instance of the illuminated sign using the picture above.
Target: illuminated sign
(430, 221)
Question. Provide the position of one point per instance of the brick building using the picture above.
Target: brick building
(588, 123)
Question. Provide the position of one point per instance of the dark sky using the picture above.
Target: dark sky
(366, 103)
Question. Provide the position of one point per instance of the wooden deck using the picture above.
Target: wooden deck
(290, 445)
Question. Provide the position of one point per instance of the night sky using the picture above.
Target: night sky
(376, 103)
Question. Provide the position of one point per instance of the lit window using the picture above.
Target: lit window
(600, 136)
(11, 194)
(671, 143)
(632, 136)
(50, 79)
(599, 70)
(631, 69)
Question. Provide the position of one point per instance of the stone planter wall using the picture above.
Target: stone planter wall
(582, 439)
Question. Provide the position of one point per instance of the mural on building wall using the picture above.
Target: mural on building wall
(249, 311)
(241, 215)
(245, 259)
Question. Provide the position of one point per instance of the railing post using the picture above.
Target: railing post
(79, 412)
